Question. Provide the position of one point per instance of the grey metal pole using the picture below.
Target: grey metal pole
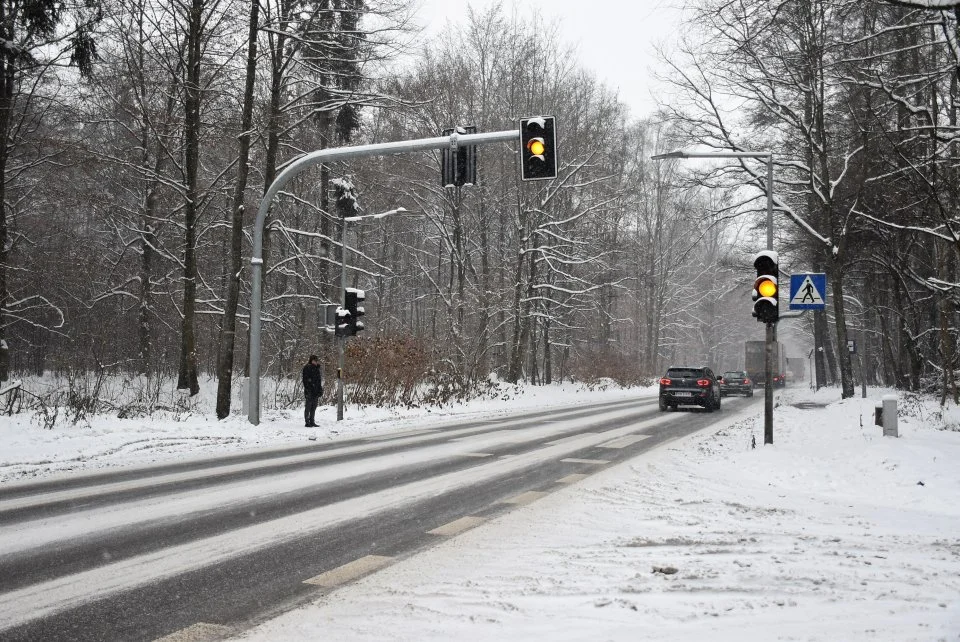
(862, 351)
(304, 162)
(770, 201)
(768, 357)
(342, 340)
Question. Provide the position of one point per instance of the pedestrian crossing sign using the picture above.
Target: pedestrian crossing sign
(808, 291)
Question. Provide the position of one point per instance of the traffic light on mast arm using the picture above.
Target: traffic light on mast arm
(538, 148)
(353, 298)
(459, 168)
(766, 287)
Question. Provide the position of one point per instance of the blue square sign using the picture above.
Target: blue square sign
(808, 291)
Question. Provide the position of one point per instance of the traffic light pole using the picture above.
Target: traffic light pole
(771, 327)
(289, 172)
(342, 339)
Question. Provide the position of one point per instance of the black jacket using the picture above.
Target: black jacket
(312, 380)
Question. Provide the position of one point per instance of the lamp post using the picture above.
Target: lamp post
(771, 328)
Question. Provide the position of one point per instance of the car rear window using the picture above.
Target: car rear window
(684, 373)
(732, 375)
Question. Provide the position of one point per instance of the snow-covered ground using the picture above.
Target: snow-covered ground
(833, 533)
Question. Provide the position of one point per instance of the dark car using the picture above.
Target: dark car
(736, 382)
(689, 386)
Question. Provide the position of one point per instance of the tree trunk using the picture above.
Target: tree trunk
(188, 379)
(481, 362)
(229, 334)
(7, 77)
(547, 353)
(515, 370)
(846, 368)
(819, 350)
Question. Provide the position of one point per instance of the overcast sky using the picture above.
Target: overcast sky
(614, 38)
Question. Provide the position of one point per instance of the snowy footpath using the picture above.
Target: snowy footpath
(834, 532)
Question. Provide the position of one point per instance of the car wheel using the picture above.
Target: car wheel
(719, 401)
(750, 394)
(663, 405)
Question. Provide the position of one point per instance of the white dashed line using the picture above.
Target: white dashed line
(401, 435)
(564, 440)
(349, 571)
(524, 498)
(623, 442)
(458, 526)
(598, 462)
(572, 479)
(199, 632)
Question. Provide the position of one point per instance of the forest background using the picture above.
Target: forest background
(141, 134)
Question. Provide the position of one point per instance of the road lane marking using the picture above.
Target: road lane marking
(476, 454)
(563, 440)
(349, 571)
(504, 435)
(598, 462)
(572, 479)
(199, 632)
(623, 442)
(524, 498)
(401, 435)
(458, 526)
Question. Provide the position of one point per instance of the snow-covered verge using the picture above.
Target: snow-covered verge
(28, 450)
(834, 532)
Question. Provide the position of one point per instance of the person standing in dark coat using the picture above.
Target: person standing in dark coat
(312, 390)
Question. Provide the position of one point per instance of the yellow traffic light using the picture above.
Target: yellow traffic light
(767, 288)
(766, 291)
(536, 146)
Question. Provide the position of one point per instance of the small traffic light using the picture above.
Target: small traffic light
(353, 298)
(341, 322)
(538, 148)
(460, 168)
(766, 287)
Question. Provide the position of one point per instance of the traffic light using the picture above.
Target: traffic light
(353, 298)
(460, 168)
(538, 148)
(766, 288)
(341, 322)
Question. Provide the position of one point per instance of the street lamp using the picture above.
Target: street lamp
(771, 331)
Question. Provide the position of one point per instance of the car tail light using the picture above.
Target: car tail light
(665, 382)
(703, 383)
(746, 381)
